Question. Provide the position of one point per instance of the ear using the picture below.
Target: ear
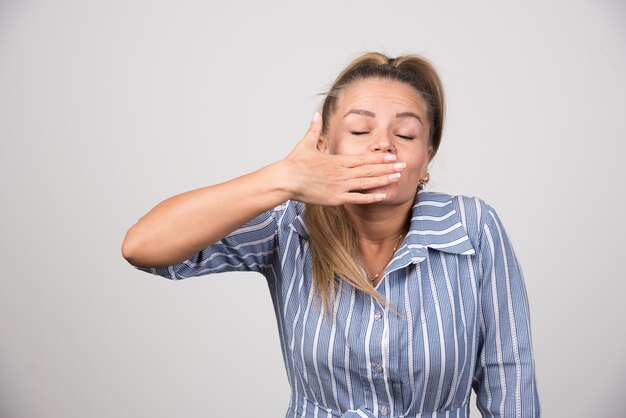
(322, 144)
(430, 152)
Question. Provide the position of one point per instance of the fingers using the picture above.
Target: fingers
(350, 161)
(366, 183)
(373, 170)
(363, 198)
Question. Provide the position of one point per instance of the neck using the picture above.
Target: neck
(378, 224)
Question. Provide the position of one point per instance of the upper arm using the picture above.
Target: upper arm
(251, 247)
(505, 371)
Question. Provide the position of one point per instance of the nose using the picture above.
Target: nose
(382, 144)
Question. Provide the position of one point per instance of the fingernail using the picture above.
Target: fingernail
(316, 116)
(394, 176)
(390, 157)
(399, 166)
(380, 196)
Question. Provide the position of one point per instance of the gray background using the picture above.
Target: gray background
(109, 107)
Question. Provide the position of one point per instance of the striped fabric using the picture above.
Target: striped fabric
(462, 318)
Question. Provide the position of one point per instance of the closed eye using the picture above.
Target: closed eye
(365, 132)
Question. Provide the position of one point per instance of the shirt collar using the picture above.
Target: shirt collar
(435, 224)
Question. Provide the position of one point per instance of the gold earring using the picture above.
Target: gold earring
(423, 182)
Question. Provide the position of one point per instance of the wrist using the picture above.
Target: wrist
(278, 181)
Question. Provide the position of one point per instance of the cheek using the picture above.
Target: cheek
(416, 164)
(412, 173)
(415, 155)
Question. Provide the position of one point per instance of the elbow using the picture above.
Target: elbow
(131, 249)
(140, 252)
(128, 250)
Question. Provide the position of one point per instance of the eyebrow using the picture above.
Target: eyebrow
(372, 114)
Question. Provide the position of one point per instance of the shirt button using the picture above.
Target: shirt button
(384, 411)
(378, 367)
(378, 316)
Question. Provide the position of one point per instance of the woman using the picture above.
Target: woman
(390, 300)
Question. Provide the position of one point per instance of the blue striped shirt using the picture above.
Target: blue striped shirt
(464, 316)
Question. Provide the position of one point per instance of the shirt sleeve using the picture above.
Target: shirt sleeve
(252, 247)
(504, 379)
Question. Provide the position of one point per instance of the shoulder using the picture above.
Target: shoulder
(289, 210)
(290, 215)
(472, 212)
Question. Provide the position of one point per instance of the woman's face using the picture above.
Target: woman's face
(375, 115)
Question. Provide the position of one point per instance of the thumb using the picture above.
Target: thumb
(310, 139)
(315, 129)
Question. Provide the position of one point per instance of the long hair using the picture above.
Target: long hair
(334, 247)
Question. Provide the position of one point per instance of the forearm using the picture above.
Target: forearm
(184, 224)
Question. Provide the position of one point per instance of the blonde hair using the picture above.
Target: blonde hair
(334, 247)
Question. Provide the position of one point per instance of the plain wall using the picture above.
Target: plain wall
(109, 107)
